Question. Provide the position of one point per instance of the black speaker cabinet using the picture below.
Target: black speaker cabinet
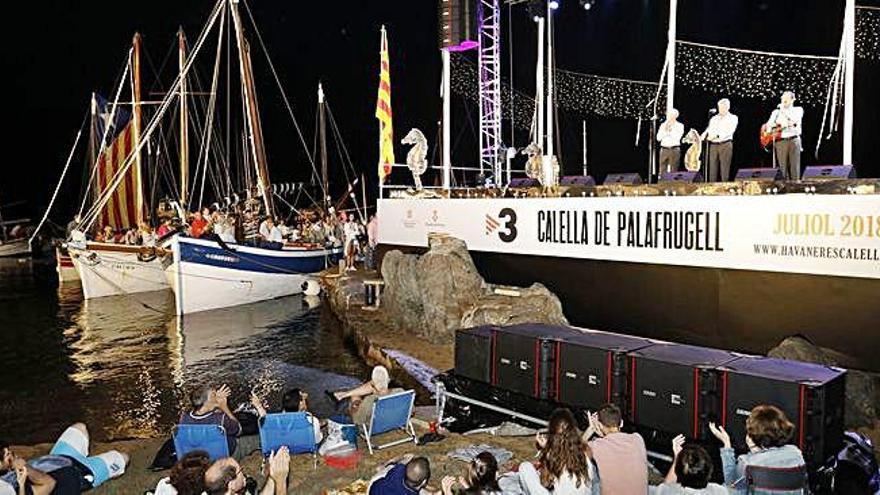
(473, 353)
(811, 395)
(629, 178)
(674, 388)
(592, 368)
(525, 357)
(681, 176)
(759, 174)
(830, 172)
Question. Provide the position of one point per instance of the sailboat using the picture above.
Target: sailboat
(107, 268)
(209, 274)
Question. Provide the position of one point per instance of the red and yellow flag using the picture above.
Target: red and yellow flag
(383, 112)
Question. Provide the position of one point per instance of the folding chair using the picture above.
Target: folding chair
(391, 412)
(776, 479)
(210, 438)
(296, 431)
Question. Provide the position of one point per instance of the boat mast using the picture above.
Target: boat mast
(322, 130)
(539, 87)
(258, 152)
(184, 120)
(849, 33)
(670, 55)
(548, 105)
(136, 117)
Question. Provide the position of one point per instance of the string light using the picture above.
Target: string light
(581, 94)
(752, 74)
(868, 33)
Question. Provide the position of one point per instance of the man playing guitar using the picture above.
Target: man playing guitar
(784, 129)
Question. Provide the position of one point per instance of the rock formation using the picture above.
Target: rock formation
(862, 400)
(434, 294)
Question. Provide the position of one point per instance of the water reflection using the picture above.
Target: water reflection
(122, 364)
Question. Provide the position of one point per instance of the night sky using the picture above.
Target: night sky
(56, 53)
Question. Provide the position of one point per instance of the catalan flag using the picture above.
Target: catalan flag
(383, 112)
(120, 212)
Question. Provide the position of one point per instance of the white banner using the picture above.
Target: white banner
(813, 234)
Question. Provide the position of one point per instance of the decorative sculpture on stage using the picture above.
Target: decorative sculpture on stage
(544, 169)
(417, 158)
(692, 155)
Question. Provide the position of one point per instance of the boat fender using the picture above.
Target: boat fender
(311, 287)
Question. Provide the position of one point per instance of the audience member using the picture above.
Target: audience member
(210, 407)
(226, 477)
(690, 472)
(481, 478)
(364, 396)
(768, 432)
(293, 400)
(68, 466)
(187, 477)
(564, 465)
(407, 476)
(17, 477)
(621, 457)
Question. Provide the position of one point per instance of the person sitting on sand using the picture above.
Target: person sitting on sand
(362, 397)
(70, 465)
(293, 400)
(210, 407)
(690, 472)
(481, 478)
(564, 461)
(407, 476)
(226, 477)
(17, 477)
(187, 477)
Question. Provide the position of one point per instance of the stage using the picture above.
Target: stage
(735, 271)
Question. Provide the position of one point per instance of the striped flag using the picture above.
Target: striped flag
(383, 113)
(120, 212)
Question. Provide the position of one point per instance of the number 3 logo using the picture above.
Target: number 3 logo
(508, 217)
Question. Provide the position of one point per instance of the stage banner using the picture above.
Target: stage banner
(811, 234)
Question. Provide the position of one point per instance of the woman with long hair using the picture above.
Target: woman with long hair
(481, 478)
(564, 465)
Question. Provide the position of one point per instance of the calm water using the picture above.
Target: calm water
(122, 364)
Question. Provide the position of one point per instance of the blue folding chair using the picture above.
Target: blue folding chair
(210, 438)
(296, 431)
(763, 479)
(391, 412)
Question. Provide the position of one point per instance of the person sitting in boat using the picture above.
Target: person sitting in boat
(293, 400)
(198, 225)
(211, 407)
(108, 236)
(131, 237)
(164, 228)
(147, 235)
(362, 397)
(271, 234)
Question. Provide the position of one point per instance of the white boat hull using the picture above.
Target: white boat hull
(18, 247)
(206, 276)
(114, 270)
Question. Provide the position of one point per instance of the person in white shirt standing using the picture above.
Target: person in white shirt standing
(788, 119)
(669, 135)
(350, 234)
(720, 137)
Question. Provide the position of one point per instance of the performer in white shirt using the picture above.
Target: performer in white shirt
(719, 134)
(669, 135)
(789, 119)
(270, 232)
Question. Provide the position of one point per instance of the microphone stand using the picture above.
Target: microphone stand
(652, 147)
(706, 170)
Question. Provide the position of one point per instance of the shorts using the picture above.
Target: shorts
(74, 443)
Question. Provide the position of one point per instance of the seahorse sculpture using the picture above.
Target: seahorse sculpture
(692, 155)
(536, 168)
(417, 158)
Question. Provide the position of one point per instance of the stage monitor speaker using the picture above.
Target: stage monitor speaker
(811, 395)
(631, 179)
(592, 368)
(578, 180)
(759, 174)
(674, 388)
(473, 353)
(458, 24)
(681, 176)
(524, 182)
(830, 172)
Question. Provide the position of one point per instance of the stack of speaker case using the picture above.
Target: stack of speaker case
(663, 388)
